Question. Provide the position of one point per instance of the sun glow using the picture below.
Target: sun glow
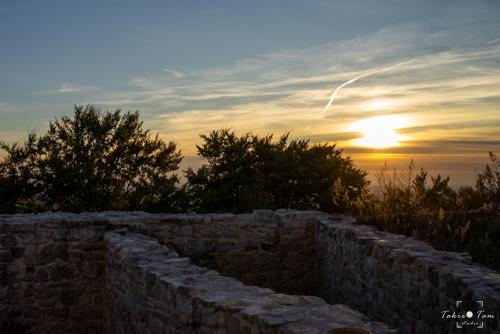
(377, 105)
(380, 131)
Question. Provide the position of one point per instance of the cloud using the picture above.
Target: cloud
(66, 88)
(451, 93)
(74, 88)
(140, 82)
(175, 74)
(450, 85)
(493, 41)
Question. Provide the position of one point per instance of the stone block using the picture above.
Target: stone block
(31, 312)
(41, 275)
(59, 251)
(60, 271)
(92, 269)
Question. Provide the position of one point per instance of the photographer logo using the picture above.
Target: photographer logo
(464, 317)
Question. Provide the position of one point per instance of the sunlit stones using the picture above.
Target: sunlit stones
(380, 131)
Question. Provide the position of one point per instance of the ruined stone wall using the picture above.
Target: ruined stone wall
(51, 274)
(269, 249)
(403, 281)
(51, 270)
(150, 289)
(51, 264)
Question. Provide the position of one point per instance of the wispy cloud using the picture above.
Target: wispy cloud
(175, 74)
(493, 41)
(451, 94)
(449, 86)
(66, 88)
(140, 82)
(74, 88)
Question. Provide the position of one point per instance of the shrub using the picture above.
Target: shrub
(464, 220)
(93, 161)
(488, 183)
(249, 172)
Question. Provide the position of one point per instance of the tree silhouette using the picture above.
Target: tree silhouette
(93, 161)
(249, 172)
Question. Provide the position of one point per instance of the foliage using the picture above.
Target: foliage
(468, 198)
(475, 231)
(249, 172)
(408, 191)
(464, 220)
(19, 177)
(488, 182)
(93, 161)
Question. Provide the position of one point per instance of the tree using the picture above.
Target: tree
(249, 172)
(19, 177)
(93, 161)
(488, 182)
(468, 198)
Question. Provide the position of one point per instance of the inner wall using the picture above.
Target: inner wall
(391, 278)
(150, 289)
(263, 249)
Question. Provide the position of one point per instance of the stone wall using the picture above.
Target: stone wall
(52, 281)
(150, 289)
(403, 281)
(270, 249)
(51, 274)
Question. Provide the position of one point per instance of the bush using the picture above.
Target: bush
(93, 161)
(464, 220)
(408, 191)
(249, 172)
(488, 183)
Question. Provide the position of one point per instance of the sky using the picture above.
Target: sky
(414, 79)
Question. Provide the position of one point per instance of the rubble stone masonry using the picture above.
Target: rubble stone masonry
(279, 271)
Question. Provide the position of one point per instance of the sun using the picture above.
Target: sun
(379, 131)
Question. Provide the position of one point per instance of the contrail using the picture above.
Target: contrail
(334, 94)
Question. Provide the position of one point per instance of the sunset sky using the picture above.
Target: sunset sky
(427, 88)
